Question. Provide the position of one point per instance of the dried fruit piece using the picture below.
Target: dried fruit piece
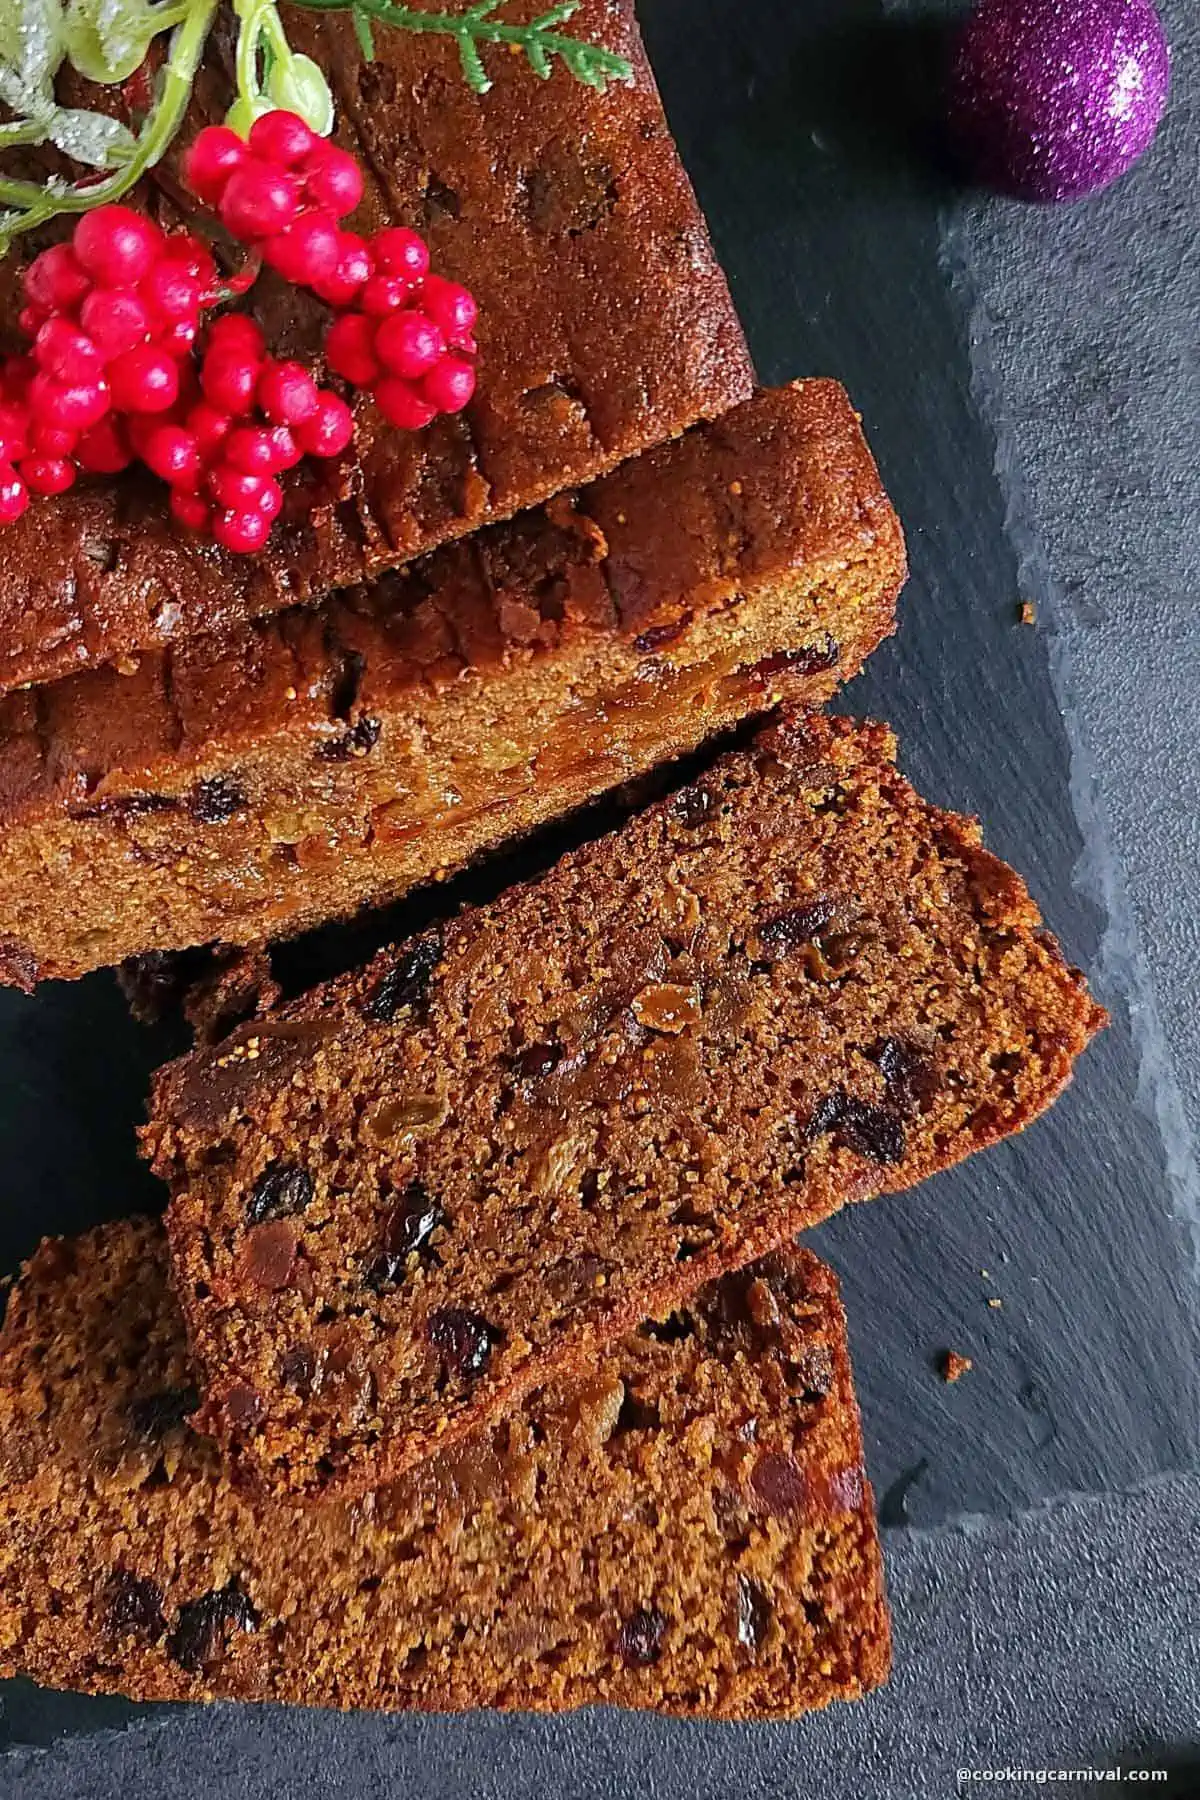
(281, 1191)
(858, 1125)
(464, 1340)
(203, 1624)
(908, 1074)
(269, 1254)
(786, 931)
(779, 1484)
(640, 1637)
(411, 1224)
(668, 1006)
(407, 984)
(135, 1604)
(754, 1613)
(154, 1416)
(216, 800)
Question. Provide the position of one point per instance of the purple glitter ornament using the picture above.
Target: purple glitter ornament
(1053, 99)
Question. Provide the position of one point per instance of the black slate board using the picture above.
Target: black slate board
(823, 199)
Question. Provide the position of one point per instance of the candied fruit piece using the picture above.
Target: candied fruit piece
(908, 1074)
(269, 1254)
(668, 1006)
(779, 1484)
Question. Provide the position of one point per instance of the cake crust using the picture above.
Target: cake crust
(605, 327)
(252, 783)
(689, 1529)
(791, 985)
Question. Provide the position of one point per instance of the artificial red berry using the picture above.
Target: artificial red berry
(286, 450)
(16, 376)
(14, 432)
(214, 155)
(253, 450)
(31, 319)
(48, 474)
(329, 430)
(104, 450)
(178, 338)
(53, 440)
(116, 320)
(66, 352)
(229, 379)
(172, 453)
(287, 393)
(258, 201)
(171, 291)
(190, 509)
(382, 294)
(56, 280)
(449, 385)
(308, 252)
(401, 404)
(282, 137)
(14, 495)
(354, 270)
(209, 425)
(236, 331)
(241, 531)
(399, 251)
(451, 305)
(409, 344)
(234, 489)
(116, 245)
(69, 408)
(332, 178)
(143, 380)
(189, 253)
(350, 349)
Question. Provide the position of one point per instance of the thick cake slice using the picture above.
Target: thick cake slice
(689, 1530)
(605, 327)
(248, 785)
(419, 1191)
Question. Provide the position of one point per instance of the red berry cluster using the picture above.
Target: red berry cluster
(401, 332)
(113, 317)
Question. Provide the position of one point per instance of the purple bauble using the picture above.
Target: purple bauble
(1052, 99)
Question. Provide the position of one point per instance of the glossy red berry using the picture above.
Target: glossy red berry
(383, 294)
(143, 380)
(282, 137)
(214, 155)
(68, 407)
(233, 488)
(16, 377)
(116, 320)
(54, 440)
(229, 379)
(332, 178)
(66, 352)
(56, 280)
(286, 450)
(451, 305)
(179, 338)
(403, 405)
(329, 430)
(14, 432)
(409, 344)
(258, 201)
(287, 393)
(14, 495)
(449, 385)
(236, 331)
(354, 270)
(399, 251)
(191, 510)
(31, 319)
(115, 245)
(350, 349)
(104, 450)
(241, 531)
(48, 474)
(173, 453)
(210, 426)
(308, 252)
(171, 291)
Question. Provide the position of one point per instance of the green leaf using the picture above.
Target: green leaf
(362, 31)
(474, 73)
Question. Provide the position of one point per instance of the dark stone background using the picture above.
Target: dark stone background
(1029, 382)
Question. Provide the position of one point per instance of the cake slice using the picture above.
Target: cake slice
(605, 326)
(690, 1529)
(467, 1169)
(249, 784)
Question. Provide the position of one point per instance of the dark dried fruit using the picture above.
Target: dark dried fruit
(154, 1416)
(407, 984)
(126, 806)
(806, 661)
(907, 1074)
(202, 1625)
(787, 931)
(857, 1125)
(281, 1191)
(463, 1340)
(536, 1061)
(135, 1604)
(693, 807)
(754, 1613)
(298, 1368)
(216, 801)
(360, 740)
(779, 1484)
(640, 1637)
(411, 1223)
(656, 636)
(243, 1408)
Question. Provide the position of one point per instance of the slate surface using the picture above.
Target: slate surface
(1032, 426)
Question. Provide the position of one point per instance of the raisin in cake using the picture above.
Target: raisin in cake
(605, 327)
(690, 1529)
(247, 785)
(468, 1168)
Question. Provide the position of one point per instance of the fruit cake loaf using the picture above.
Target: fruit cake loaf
(690, 1529)
(249, 785)
(605, 326)
(422, 1189)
